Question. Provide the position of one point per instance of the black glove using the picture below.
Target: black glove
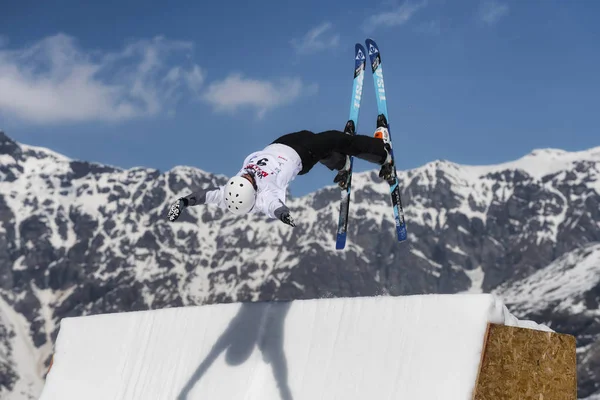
(283, 213)
(287, 219)
(176, 209)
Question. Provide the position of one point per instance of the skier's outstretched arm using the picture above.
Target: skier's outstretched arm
(202, 196)
(273, 205)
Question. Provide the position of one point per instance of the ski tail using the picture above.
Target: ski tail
(383, 120)
(360, 60)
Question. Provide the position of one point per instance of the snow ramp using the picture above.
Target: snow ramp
(411, 347)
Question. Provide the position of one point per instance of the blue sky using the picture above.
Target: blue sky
(160, 84)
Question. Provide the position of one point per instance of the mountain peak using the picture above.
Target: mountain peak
(592, 154)
(548, 161)
(547, 152)
(540, 162)
(8, 146)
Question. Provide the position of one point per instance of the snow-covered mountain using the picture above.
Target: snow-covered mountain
(79, 238)
(567, 293)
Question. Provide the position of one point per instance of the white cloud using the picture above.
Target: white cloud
(237, 92)
(395, 17)
(491, 11)
(317, 39)
(56, 81)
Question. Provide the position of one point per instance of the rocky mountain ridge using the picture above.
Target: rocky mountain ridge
(80, 238)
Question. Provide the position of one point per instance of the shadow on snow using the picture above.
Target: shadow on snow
(254, 325)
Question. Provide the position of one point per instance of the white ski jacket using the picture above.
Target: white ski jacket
(273, 168)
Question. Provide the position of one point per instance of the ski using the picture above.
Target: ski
(383, 120)
(360, 60)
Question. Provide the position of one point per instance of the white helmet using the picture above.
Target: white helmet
(239, 195)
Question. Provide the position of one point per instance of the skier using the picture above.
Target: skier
(260, 186)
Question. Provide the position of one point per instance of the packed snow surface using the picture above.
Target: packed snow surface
(344, 348)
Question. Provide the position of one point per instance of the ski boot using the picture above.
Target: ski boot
(342, 176)
(176, 209)
(387, 167)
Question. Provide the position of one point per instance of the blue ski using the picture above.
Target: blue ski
(360, 60)
(383, 120)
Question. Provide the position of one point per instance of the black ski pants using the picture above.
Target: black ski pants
(330, 148)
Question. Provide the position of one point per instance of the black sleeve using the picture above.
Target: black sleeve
(197, 197)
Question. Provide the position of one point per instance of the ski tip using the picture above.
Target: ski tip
(371, 46)
(360, 52)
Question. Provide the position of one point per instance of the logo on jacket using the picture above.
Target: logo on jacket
(256, 170)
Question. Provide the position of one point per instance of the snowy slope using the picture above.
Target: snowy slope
(78, 238)
(567, 292)
(17, 348)
(347, 349)
(560, 285)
